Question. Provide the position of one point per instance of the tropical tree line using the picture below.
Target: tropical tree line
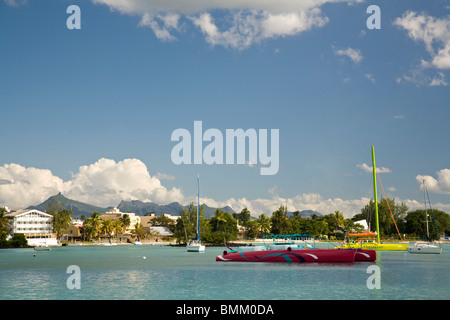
(395, 221)
(95, 227)
(223, 227)
(408, 224)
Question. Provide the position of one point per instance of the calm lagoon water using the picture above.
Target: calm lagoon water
(171, 273)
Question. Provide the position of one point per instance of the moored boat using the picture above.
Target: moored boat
(299, 255)
(371, 244)
(195, 245)
(42, 247)
(424, 248)
(365, 255)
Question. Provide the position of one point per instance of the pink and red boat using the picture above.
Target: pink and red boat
(300, 255)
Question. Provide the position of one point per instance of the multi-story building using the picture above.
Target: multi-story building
(115, 214)
(36, 225)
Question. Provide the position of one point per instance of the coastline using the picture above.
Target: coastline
(234, 243)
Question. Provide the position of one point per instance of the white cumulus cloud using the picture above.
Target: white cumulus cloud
(434, 33)
(103, 183)
(353, 54)
(107, 182)
(22, 187)
(369, 169)
(161, 25)
(247, 21)
(439, 185)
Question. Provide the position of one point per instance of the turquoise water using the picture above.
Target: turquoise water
(171, 273)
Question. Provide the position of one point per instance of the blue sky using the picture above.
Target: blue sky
(137, 70)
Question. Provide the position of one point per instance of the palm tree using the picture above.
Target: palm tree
(117, 227)
(107, 228)
(263, 224)
(138, 231)
(4, 224)
(339, 219)
(93, 225)
(126, 221)
(220, 217)
(4, 221)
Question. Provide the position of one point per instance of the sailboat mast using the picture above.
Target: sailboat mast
(198, 206)
(375, 193)
(426, 214)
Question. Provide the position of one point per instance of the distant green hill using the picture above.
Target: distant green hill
(79, 208)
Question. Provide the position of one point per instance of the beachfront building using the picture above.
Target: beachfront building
(156, 232)
(167, 215)
(115, 214)
(160, 233)
(36, 225)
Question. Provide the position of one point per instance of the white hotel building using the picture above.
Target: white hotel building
(34, 224)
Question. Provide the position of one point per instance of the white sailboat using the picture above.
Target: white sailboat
(195, 245)
(419, 247)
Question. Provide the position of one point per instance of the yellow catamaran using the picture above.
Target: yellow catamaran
(378, 245)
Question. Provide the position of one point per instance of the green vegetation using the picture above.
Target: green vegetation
(18, 240)
(223, 227)
(411, 224)
(4, 224)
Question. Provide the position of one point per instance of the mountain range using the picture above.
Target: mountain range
(141, 208)
(78, 208)
(138, 207)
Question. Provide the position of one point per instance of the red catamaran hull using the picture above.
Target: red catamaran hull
(365, 255)
(300, 255)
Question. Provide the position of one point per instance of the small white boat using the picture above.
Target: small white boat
(42, 247)
(137, 243)
(424, 248)
(195, 246)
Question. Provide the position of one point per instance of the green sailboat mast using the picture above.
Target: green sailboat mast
(375, 193)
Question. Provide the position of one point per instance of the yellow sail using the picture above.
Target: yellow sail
(376, 246)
